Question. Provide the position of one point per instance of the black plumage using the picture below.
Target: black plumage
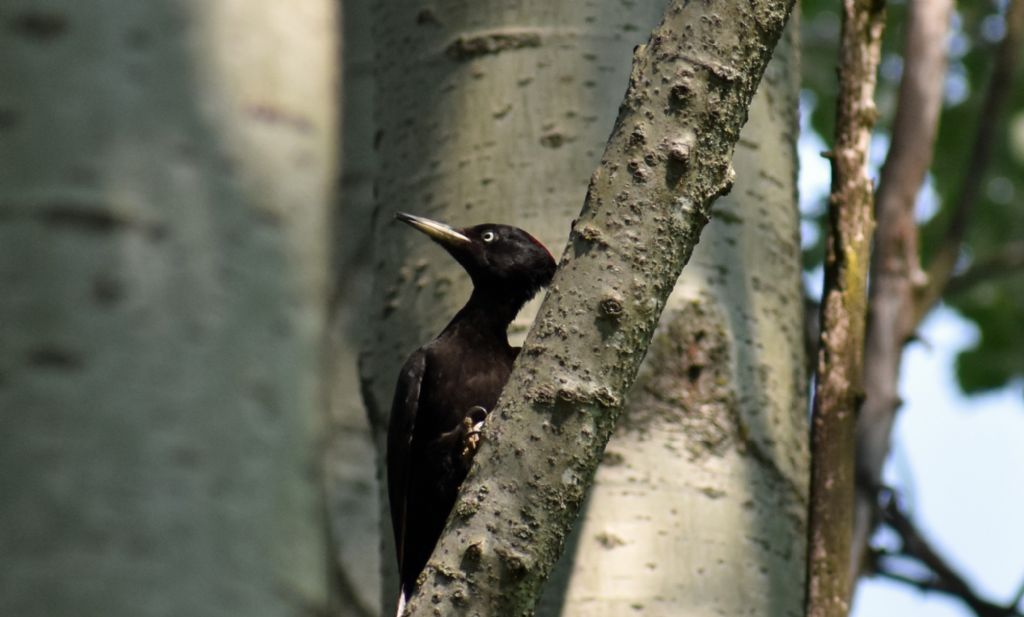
(447, 386)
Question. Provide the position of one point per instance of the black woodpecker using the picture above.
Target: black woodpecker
(447, 387)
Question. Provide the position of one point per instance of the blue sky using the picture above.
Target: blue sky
(958, 461)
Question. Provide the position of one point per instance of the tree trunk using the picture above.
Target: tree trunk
(352, 463)
(164, 174)
(439, 161)
(699, 505)
(669, 156)
(510, 135)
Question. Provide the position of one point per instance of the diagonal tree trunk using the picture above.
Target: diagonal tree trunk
(699, 504)
(165, 169)
(507, 135)
(668, 158)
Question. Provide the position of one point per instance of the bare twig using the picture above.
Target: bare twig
(843, 313)
(999, 89)
(937, 585)
(895, 269)
(1009, 260)
(944, 577)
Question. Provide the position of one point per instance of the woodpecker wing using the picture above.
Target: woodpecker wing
(400, 430)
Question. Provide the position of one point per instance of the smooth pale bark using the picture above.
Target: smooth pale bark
(699, 505)
(165, 170)
(509, 136)
(352, 455)
(667, 159)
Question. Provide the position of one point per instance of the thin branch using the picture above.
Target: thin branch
(897, 285)
(843, 310)
(1006, 262)
(1000, 88)
(945, 578)
(895, 269)
(933, 584)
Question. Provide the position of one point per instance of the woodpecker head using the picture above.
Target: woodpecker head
(499, 258)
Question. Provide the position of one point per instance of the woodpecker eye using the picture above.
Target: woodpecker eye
(488, 236)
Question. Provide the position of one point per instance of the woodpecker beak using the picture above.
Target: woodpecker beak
(439, 232)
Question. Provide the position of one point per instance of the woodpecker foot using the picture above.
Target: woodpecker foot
(473, 423)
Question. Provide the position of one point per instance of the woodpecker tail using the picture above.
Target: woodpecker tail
(401, 602)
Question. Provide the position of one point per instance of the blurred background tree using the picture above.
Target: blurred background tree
(985, 288)
(970, 228)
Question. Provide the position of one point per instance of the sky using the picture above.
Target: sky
(958, 461)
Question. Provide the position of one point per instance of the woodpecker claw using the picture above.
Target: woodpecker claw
(473, 423)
